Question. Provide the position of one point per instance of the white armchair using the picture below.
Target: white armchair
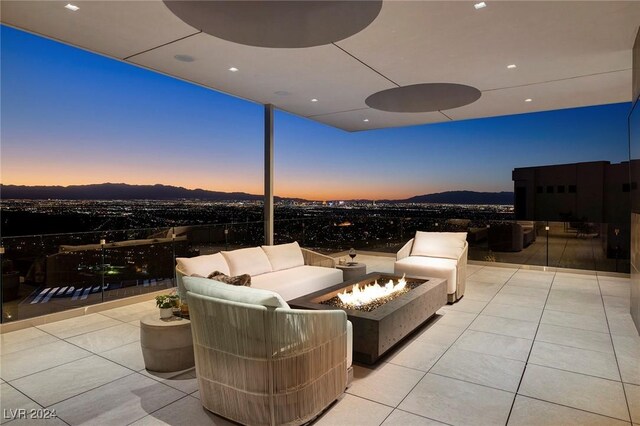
(259, 362)
(439, 255)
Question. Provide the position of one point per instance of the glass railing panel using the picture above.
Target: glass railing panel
(49, 273)
(138, 261)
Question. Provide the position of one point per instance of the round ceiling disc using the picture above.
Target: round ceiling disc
(280, 24)
(425, 97)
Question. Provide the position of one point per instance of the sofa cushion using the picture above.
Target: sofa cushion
(252, 261)
(203, 265)
(252, 296)
(284, 256)
(296, 282)
(448, 245)
(419, 266)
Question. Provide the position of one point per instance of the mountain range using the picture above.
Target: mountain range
(123, 191)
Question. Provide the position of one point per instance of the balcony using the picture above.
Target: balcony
(527, 343)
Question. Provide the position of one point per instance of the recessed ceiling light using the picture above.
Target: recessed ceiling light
(314, 100)
(184, 58)
(71, 7)
(528, 100)
(366, 120)
(512, 66)
(480, 5)
(233, 69)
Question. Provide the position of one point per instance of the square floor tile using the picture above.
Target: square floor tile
(514, 312)
(440, 334)
(496, 372)
(466, 305)
(571, 301)
(78, 325)
(185, 381)
(129, 356)
(12, 401)
(615, 288)
(494, 344)
(187, 411)
(31, 337)
(457, 402)
(418, 354)
(130, 312)
(628, 353)
(403, 418)
(120, 402)
(354, 411)
(594, 322)
(582, 339)
(587, 393)
(539, 276)
(454, 318)
(633, 398)
(520, 282)
(106, 339)
(583, 361)
(505, 326)
(65, 381)
(519, 300)
(33, 360)
(533, 412)
(386, 383)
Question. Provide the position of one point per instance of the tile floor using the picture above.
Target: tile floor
(523, 347)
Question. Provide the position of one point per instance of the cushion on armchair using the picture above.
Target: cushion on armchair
(252, 296)
(448, 245)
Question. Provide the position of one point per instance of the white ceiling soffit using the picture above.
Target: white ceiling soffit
(568, 54)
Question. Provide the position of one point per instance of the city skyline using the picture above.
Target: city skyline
(176, 133)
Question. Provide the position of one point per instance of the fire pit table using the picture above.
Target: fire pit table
(382, 323)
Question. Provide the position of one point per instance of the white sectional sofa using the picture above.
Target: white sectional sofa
(439, 255)
(286, 269)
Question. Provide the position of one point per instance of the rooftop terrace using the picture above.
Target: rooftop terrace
(526, 345)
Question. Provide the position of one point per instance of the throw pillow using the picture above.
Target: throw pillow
(241, 280)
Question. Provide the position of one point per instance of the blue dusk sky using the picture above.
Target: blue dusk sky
(72, 117)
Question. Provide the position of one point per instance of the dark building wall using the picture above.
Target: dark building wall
(577, 191)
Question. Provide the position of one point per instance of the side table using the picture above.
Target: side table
(167, 344)
(350, 272)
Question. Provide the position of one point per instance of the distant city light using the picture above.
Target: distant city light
(314, 100)
(512, 66)
(480, 5)
(366, 120)
(233, 69)
(71, 7)
(528, 100)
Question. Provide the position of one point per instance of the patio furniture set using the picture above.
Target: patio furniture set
(280, 351)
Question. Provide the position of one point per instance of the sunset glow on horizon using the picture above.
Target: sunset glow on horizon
(70, 117)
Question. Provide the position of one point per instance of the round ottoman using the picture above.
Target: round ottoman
(166, 343)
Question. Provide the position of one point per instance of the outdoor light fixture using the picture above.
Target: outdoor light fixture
(233, 69)
(314, 100)
(72, 7)
(366, 120)
(512, 66)
(546, 228)
(480, 5)
(528, 100)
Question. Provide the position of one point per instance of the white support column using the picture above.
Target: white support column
(268, 174)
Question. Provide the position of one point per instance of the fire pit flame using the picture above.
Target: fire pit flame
(370, 293)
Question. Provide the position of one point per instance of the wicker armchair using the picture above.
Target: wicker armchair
(261, 365)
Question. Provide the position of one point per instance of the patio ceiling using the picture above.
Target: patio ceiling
(568, 54)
